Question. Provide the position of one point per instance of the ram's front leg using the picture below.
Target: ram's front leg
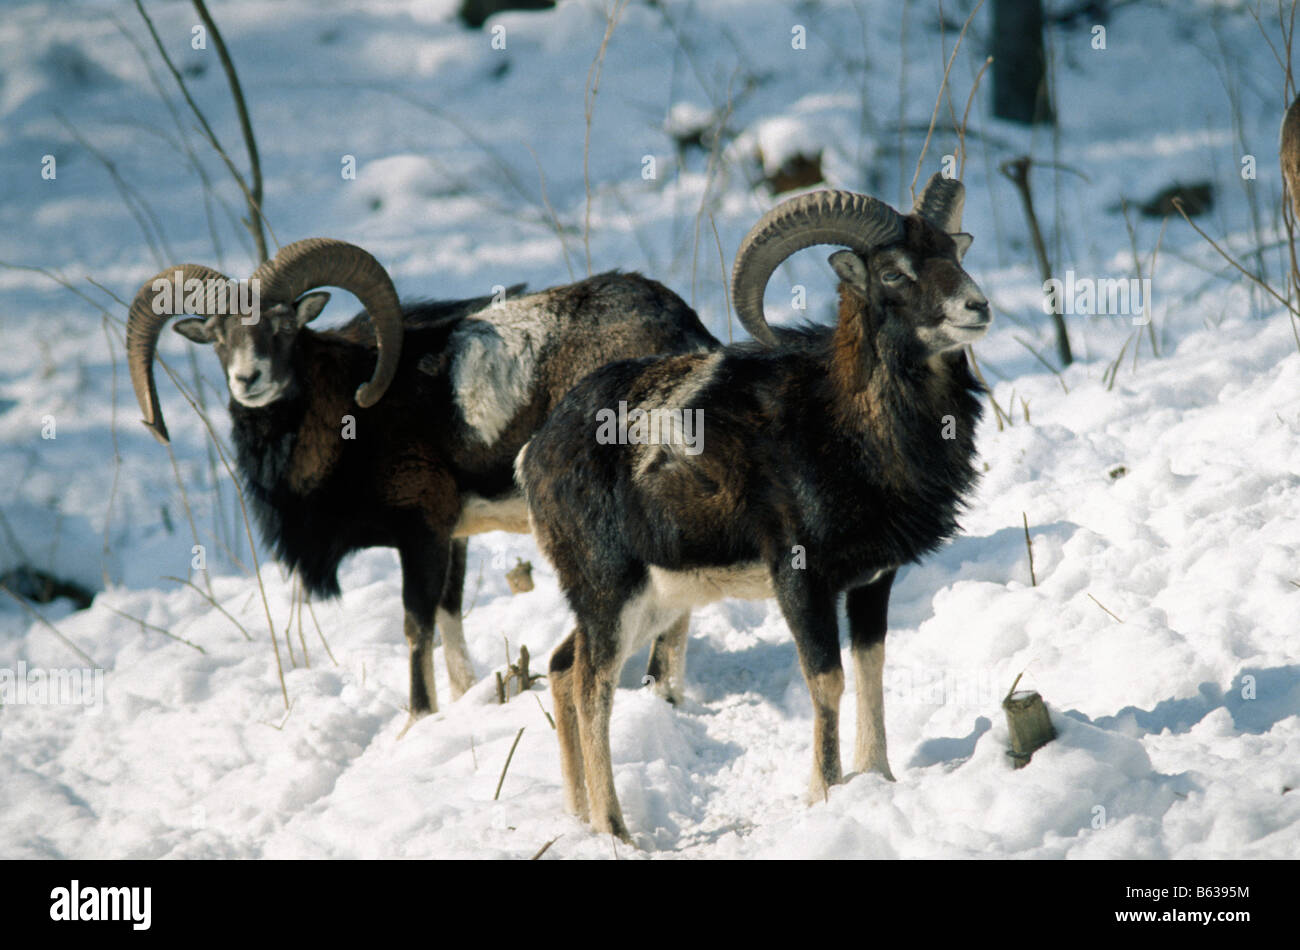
(868, 610)
(424, 575)
(810, 612)
(455, 651)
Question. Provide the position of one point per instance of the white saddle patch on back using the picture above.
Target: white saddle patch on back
(495, 362)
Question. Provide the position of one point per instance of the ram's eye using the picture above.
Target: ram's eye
(893, 276)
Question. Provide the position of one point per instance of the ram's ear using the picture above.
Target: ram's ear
(309, 306)
(963, 242)
(850, 269)
(194, 329)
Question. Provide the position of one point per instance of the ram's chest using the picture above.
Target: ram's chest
(316, 442)
(415, 480)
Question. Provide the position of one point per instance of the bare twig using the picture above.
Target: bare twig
(136, 204)
(1014, 684)
(154, 627)
(715, 160)
(243, 507)
(1017, 170)
(506, 767)
(288, 624)
(1038, 356)
(1178, 205)
(555, 220)
(722, 269)
(965, 116)
(280, 726)
(938, 101)
(544, 848)
(105, 548)
(12, 538)
(1112, 371)
(589, 109)
(256, 218)
(1033, 578)
(321, 633)
(302, 639)
(543, 709)
(36, 614)
(998, 414)
(211, 600)
(245, 127)
(902, 102)
(1137, 266)
(1103, 607)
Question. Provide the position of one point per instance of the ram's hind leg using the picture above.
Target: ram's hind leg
(460, 669)
(561, 676)
(868, 610)
(667, 667)
(596, 668)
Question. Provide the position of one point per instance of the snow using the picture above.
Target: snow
(1163, 505)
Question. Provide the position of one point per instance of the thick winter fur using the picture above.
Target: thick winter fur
(824, 468)
(432, 460)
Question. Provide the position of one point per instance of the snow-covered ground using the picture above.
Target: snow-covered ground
(1163, 505)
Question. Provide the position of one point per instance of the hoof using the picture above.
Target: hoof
(615, 828)
(819, 790)
(460, 685)
(624, 838)
(871, 769)
(669, 694)
(411, 721)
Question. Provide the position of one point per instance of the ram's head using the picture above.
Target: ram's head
(907, 266)
(254, 324)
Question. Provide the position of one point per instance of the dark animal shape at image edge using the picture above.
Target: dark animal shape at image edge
(331, 467)
(474, 13)
(42, 587)
(1196, 199)
(831, 457)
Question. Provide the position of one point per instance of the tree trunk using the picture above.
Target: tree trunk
(1020, 62)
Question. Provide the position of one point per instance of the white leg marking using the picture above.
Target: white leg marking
(869, 750)
(460, 669)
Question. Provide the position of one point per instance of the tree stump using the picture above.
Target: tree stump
(518, 680)
(1029, 725)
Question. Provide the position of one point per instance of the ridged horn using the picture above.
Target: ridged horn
(144, 323)
(324, 262)
(940, 202)
(841, 218)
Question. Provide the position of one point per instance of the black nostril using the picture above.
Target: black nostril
(251, 378)
(979, 306)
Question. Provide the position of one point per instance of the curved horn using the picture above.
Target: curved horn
(842, 218)
(150, 310)
(940, 202)
(323, 262)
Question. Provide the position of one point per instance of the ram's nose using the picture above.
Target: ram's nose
(977, 311)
